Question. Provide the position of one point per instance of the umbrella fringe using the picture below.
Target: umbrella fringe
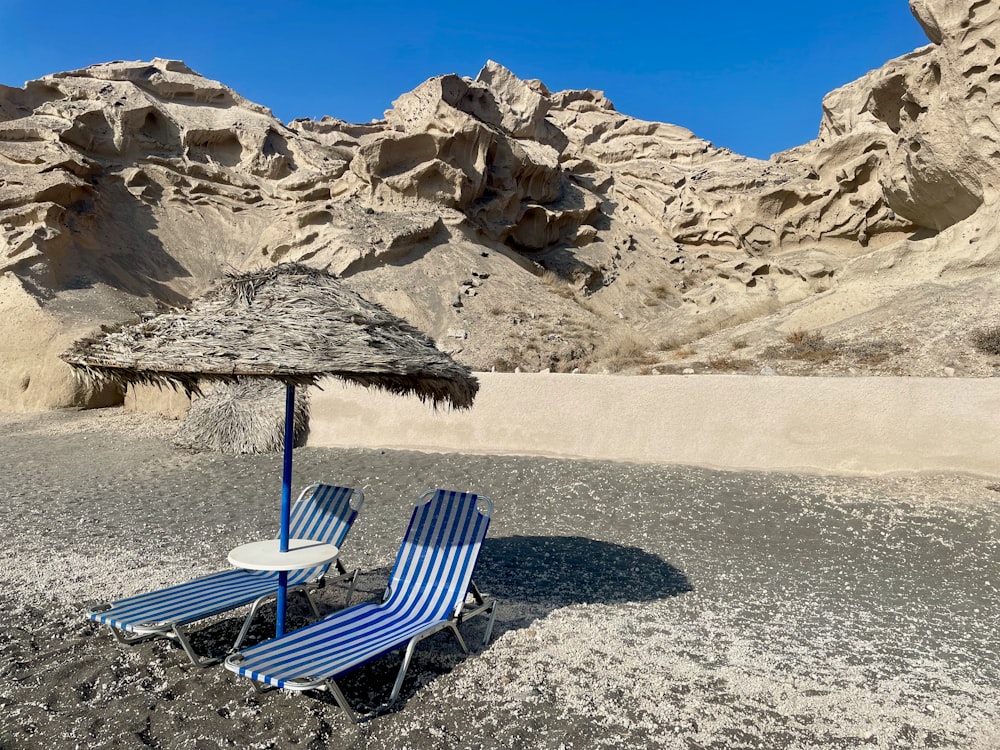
(247, 416)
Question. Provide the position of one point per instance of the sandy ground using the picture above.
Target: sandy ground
(641, 606)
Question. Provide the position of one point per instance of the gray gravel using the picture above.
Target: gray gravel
(641, 606)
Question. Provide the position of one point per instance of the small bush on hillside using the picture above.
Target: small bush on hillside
(805, 339)
(987, 340)
(729, 364)
(874, 352)
(810, 346)
(556, 283)
(660, 291)
(502, 364)
(624, 349)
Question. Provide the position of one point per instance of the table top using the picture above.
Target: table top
(266, 554)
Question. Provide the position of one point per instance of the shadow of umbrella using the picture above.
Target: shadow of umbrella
(534, 575)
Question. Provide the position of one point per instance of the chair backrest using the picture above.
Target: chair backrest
(326, 514)
(435, 562)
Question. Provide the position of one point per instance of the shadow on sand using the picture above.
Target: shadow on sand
(544, 573)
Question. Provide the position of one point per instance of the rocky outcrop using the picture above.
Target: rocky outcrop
(128, 185)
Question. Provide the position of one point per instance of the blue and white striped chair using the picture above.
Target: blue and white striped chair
(322, 512)
(430, 588)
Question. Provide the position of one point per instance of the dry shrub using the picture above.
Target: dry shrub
(729, 364)
(587, 305)
(987, 340)
(556, 283)
(502, 364)
(622, 349)
(660, 291)
(513, 356)
(874, 352)
(740, 344)
(802, 337)
(809, 346)
(685, 339)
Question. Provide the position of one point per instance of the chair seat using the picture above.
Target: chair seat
(336, 645)
(194, 600)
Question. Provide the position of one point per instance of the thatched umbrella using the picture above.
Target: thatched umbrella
(289, 323)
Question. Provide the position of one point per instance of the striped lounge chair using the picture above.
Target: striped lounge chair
(322, 512)
(430, 589)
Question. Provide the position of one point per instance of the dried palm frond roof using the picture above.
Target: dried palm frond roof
(290, 323)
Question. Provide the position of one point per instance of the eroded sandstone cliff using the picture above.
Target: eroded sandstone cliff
(519, 226)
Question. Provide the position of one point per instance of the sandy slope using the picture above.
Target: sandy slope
(642, 606)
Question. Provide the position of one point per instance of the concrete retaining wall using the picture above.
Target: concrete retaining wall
(841, 425)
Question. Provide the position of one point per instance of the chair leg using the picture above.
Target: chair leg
(244, 631)
(350, 590)
(402, 669)
(461, 641)
(198, 661)
(262, 688)
(312, 602)
(411, 647)
(482, 605)
(335, 691)
(175, 633)
(489, 625)
(350, 578)
(248, 622)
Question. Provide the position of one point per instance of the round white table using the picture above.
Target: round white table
(267, 555)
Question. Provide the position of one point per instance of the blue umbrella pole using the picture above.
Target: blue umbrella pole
(286, 475)
(286, 502)
(279, 625)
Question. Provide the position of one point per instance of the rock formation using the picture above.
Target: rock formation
(519, 226)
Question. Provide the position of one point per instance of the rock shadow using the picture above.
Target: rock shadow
(116, 244)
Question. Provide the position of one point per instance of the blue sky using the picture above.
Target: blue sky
(749, 76)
